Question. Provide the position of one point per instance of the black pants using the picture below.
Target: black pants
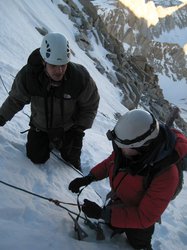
(138, 238)
(38, 147)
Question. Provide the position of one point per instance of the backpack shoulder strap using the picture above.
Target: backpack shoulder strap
(159, 167)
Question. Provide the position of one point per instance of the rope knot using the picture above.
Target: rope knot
(56, 202)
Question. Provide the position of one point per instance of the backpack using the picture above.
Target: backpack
(181, 166)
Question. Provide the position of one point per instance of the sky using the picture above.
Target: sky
(28, 222)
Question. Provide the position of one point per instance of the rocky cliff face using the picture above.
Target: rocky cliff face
(140, 34)
(132, 72)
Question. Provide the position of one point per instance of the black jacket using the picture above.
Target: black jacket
(74, 102)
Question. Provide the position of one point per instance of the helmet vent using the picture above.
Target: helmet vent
(48, 50)
(68, 50)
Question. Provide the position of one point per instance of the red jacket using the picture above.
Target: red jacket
(135, 207)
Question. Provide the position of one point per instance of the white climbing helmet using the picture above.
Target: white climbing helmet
(55, 49)
(135, 129)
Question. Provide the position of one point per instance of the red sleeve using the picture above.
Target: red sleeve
(101, 170)
(152, 205)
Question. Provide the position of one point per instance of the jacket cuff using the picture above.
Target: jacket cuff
(78, 127)
(91, 177)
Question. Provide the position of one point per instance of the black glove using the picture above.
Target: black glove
(79, 182)
(91, 209)
(2, 121)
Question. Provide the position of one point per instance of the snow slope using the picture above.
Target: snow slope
(28, 222)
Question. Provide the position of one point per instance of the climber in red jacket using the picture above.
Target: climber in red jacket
(143, 149)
